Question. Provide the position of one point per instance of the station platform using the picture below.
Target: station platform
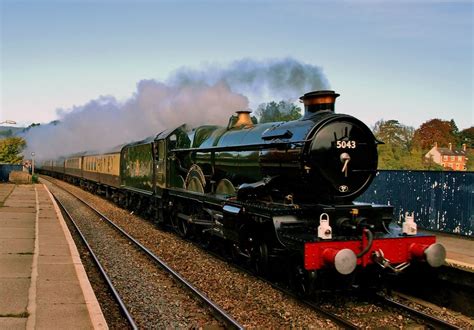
(43, 284)
(459, 251)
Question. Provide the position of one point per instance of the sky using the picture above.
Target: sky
(406, 60)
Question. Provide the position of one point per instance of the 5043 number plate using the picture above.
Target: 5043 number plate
(346, 144)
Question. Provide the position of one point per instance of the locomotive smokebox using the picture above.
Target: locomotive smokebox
(318, 101)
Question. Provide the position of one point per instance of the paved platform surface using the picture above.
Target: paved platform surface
(460, 251)
(43, 284)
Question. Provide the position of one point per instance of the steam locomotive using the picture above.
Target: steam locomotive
(279, 196)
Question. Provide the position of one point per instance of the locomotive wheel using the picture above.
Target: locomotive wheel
(180, 226)
(260, 259)
(195, 179)
(225, 187)
(183, 228)
(195, 184)
(303, 282)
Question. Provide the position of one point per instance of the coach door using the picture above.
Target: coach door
(160, 171)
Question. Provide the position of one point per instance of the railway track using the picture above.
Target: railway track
(390, 308)
(375, 310)
(121, 305)
(428, 319)
(133, 313)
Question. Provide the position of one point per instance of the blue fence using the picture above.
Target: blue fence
(442, 201)
(5, 170)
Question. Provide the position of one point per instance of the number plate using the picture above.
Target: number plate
(346, 144)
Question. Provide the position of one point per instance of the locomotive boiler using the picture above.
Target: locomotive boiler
(279, 196)
(323, 158)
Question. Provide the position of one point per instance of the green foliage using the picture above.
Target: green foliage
(10, 149)
(467, 136)
(282, 111)
(470, 160)
(401, 151)
(395, 153)
(35, 178)
(393, 133)
(392, 157)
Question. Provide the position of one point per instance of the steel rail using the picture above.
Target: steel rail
(115, 293)
(434, 321)
(218, 311)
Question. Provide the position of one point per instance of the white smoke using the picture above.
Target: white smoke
(195, 97)
(260, 81)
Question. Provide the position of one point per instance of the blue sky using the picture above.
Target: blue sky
(405, 60)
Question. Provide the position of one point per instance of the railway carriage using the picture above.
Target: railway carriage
(103, 169)
(54, 167)
(279, 196)
(73, 166)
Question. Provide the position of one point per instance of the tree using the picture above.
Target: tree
(470, 160)
(282, 111)
(396, 153)
(10, 149)
(435, 130)
(393, 133)
(467, 136)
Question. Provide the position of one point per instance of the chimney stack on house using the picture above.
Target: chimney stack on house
(450, 146)
(464, 147)
(436, 145)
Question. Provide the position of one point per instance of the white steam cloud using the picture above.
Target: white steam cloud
(194, 97)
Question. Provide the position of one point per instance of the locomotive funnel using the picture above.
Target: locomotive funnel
(318, 101)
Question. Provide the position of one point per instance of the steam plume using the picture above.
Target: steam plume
(195, 97)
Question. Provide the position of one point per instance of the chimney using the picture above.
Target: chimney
(464, 147)
(318, 101)
(436, 145)
(450, 146)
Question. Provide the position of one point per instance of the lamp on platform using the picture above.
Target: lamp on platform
(32, 163)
